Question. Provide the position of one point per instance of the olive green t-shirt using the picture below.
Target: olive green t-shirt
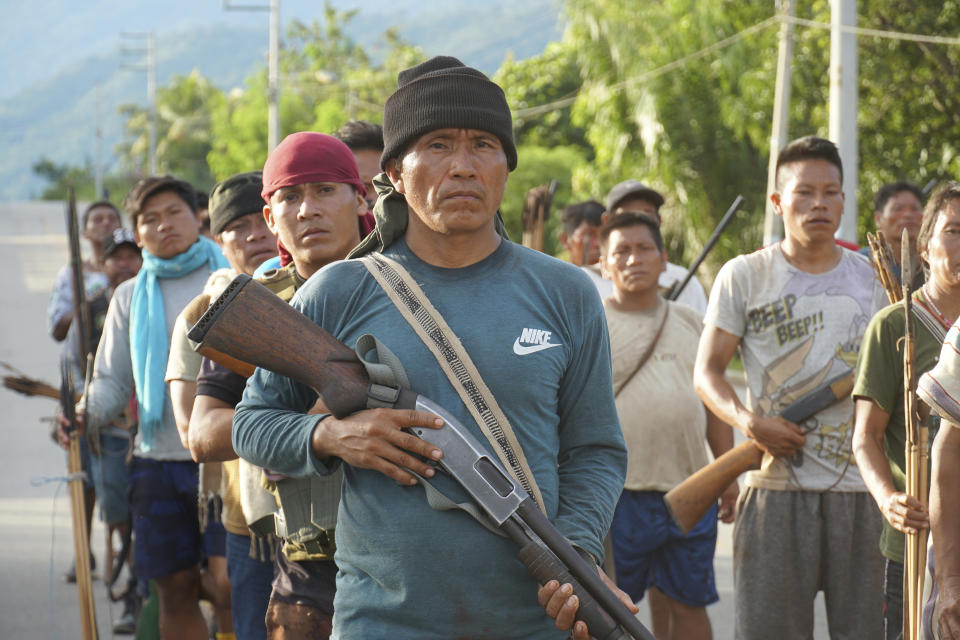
(880, 378)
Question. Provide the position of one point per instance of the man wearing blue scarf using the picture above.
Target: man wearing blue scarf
(132, 358)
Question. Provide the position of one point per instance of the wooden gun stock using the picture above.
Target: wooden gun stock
(690, 500)
(253, 325)
(193, 313)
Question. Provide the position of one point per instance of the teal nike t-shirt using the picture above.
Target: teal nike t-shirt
(535, 329)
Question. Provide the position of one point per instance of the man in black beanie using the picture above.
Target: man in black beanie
(534, 328)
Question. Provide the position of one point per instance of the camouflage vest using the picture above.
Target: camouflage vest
(307, 507)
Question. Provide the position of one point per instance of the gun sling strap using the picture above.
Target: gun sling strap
(433, 330)
(646, 352)
(928, 320)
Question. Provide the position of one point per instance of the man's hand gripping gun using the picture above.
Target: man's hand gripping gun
(249, 323)
(690, 500)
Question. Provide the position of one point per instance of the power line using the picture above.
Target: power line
(653, 73)
(679, 62)
(721, 44)
(879, 33)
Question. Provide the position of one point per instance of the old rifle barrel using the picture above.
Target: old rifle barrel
(727, 217)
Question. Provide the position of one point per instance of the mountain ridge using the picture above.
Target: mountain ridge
(56, 116)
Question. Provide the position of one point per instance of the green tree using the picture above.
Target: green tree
(909, 99)
(60, 177)
(184, 138)
(552, 76)
(660, 104)
(684, 131)
(327, 80)
(538, 166)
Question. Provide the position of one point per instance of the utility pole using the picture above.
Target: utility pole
(152, 98)
(779, 131)
(273, 66)
(843, 106)
(98, 150)
(148, 49)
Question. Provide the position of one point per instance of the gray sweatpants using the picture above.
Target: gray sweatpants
(788, 545)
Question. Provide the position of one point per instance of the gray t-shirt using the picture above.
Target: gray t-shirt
(112, 384)
(798, 330)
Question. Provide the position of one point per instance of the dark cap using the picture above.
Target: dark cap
(117, 239)
(632, 188)
(444, 93)
(150, 186)
(237, 196)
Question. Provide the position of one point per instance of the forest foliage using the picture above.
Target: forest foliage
(678, 94)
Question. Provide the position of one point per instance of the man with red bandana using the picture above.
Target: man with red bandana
(313, 201)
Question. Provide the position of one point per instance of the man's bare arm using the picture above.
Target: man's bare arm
(903, 512)
(211, 426)
(182, 393)
(945, 526)
(773, 434)
(720, 439)
(719, 435)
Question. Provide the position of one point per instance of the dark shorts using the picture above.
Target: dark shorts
(111, 476)
(892, 599)
(214, 535)
(309, 582)
(650, 551)
(163, 501)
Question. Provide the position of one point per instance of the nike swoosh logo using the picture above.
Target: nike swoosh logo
(522, 350)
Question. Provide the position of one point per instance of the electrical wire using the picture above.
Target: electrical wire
(721, 44)
(653, 73)
(875, 33)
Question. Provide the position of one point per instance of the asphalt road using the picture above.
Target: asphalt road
(36, 539)
(36, 543)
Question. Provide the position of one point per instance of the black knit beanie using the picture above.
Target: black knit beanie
(236, 196)
(442, 93)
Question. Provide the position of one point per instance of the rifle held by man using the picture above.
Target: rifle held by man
(678, 288)
(690, 500)
(251, 324)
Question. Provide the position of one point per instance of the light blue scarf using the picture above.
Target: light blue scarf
(149, 344)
